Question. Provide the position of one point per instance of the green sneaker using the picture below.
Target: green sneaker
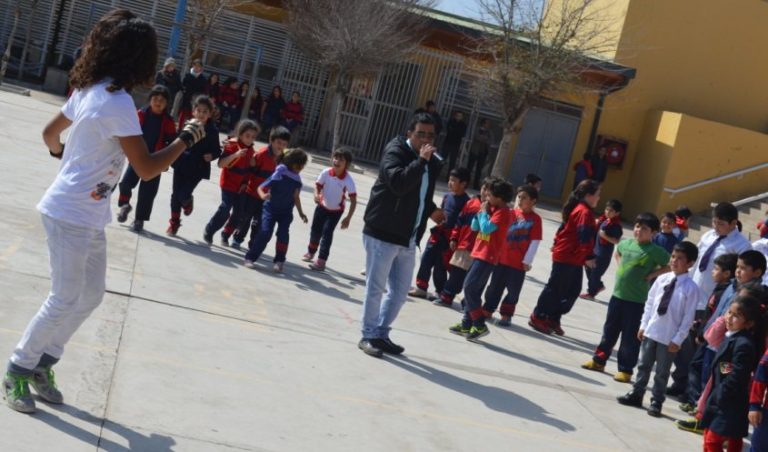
(691, 425)
(44, 384)
(688, 408)
(459, 329)
(16, 393)
(476, 333)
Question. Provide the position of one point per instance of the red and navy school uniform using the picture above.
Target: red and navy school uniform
(492, 231)
(726, 406)
(233, 181)
(158, 132)
(278, 210)
(758, 401)
(262, 166)
(334, 189)
(229, 104)
(437, 253)
(464, 237)
(525, 230)
(574, 245)
(293, 114)
(603, 253)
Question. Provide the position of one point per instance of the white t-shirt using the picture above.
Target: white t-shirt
(335, 190)
(93, 159)
(762, 246)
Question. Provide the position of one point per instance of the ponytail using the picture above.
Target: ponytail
(585, 187)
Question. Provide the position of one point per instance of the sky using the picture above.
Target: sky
(464, 8)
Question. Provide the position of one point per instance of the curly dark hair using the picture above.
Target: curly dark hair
(122, 47)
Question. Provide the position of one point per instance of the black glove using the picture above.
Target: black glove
(192, 132)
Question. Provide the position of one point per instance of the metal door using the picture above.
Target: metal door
(545, 147)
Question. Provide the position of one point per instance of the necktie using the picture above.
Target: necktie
(708, 254)
(666, 297)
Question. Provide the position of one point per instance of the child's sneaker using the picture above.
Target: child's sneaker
(623, 377)
(556, 328)
(189, 206)
(208, 238)
(249, 264)
(122, 214)
(308, 257)
(691, 425)
(319, 265)
(236, 245)
(476, 332)
(224, 240)
(504, 321)
(631, 399)
(278, 267)
(43, 382)
(539, 324)
(687, 408)
(443, 301)
(137, 226)
(16, 393)
(460, 329)
(417, 292)
(592, 365)
(587, 296)
(173, 228)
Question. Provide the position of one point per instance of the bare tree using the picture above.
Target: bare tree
(355, 38)
(536, 49)
(7, 54)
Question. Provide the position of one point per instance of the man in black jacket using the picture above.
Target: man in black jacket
(395, 219)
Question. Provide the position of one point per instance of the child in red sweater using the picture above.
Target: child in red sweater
(572, 250)
(491, 224)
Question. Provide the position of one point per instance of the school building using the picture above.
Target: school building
(681, 104)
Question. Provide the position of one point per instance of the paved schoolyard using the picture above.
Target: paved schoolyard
(191, 351)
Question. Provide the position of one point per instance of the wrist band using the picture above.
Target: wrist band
(57, 155)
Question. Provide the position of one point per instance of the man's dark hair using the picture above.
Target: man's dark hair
(753, 259)
(420, 118)
(725, 211)
(345, 153)
(531, 179)
(530, 190)
(648, 219)
(501, 189)
(279, 133)
(727, 262)
(615, 204)
(461, 173)
(690, 250)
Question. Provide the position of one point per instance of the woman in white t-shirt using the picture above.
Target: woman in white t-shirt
(119, 53)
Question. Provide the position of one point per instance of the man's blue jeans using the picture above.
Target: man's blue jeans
(388, 268)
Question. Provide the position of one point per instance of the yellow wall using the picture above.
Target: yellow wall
(678, 148)
(606, 16)
(700, 57)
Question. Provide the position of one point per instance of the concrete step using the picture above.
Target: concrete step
(751, 211)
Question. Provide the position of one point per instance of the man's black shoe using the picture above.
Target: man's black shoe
(387, 346)
(631, 399)
(369, 348)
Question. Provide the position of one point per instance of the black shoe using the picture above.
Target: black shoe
(631, 399)
(655, 409)
(674, 391)
(387, 346)
(137, 226)
(368, 347)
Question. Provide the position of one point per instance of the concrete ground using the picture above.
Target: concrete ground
(190, 351)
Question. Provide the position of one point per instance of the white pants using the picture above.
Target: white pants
(78, 258)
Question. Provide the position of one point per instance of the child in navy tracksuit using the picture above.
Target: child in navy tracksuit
(235, 164)
(573, 248)
(758, 406)
(725, 403)
(667, 238)
(461, 243)
(194, 164)
(437, 253)
(491, 223)
(280, 193)
(158, 130)
(608, 235)
(521, 242)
